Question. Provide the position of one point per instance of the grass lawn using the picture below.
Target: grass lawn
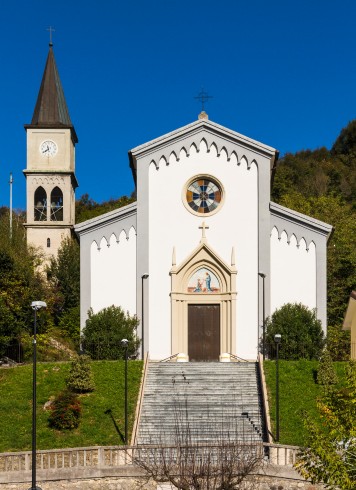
(102, 410)
(298, 392)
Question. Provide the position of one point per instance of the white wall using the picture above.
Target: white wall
(113, 272)
(293, 271)
(172, 225)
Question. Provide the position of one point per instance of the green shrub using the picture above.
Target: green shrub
(65, 411)
(301, 331)
(80, 378)
(338, 342)
(326, 373)
(104, 331)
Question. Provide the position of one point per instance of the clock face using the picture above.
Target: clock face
(48, 148)
(203, 195)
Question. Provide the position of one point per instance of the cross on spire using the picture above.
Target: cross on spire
(50, 29)
(203, 227)
(203, 97)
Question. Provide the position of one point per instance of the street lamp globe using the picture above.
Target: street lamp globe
(124, 342)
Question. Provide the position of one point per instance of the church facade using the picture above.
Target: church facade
(203, 255)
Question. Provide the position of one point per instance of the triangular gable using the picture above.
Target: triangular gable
(204, 255)
(192, 134)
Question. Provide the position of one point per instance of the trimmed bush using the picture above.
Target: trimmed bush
(80, 378)
(65, 411)
(301, 331)
(104, 331)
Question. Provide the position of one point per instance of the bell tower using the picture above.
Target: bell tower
(50, 170)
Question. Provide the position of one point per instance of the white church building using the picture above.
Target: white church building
(203, 253)
(201, 257)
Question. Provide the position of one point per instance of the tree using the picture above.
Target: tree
(331, 455)
(326, 375)
(302, 334)
(86, 208)
(64, 277)
(225, 465)
(20, 284)
(64, 273)
(338, 342)
(346, 141)
(104, 331)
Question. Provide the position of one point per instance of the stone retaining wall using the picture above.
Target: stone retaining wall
(265, 483)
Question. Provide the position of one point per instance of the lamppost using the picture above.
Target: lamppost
(35, 305)
(263, 275)
(125, 343)
(277, 339)
(144, 276)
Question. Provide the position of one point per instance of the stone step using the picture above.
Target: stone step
(217, 399)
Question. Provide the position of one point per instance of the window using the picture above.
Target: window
(48, 242)
(40, 204)
(203, 195)
(56, 204)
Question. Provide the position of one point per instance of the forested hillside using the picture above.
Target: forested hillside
(322, 184)
(86, 208)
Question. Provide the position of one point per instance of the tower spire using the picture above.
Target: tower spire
(51, 109)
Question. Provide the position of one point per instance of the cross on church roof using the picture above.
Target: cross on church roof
(203, 227)
(203, 97)
(50, 29)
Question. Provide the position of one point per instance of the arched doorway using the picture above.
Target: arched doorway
(203, 301)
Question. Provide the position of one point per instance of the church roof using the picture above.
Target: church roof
(192, 133)
(51, 109)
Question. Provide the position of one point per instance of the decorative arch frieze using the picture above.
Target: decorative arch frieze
(292, 231)
(206, 143)
(124, 235)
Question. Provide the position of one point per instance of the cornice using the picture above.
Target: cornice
(106, 219)
(300, 219)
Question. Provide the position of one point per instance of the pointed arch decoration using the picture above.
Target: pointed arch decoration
(40, 207)
(203, 278)
(56, 204)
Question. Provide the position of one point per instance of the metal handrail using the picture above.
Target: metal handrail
(234, 356)
(265, 403)
(139, 402)
(169, 358)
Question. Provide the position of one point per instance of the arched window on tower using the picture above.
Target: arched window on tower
(40, 204)
(56, 204)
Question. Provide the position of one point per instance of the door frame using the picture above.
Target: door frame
(203, 256)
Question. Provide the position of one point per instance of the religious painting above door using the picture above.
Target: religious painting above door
(203, 195)
(203, 281)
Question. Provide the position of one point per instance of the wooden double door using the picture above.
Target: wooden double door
(203, 332)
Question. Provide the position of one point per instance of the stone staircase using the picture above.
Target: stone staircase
(201, 402)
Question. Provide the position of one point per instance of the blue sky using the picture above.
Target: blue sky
(281, 72)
